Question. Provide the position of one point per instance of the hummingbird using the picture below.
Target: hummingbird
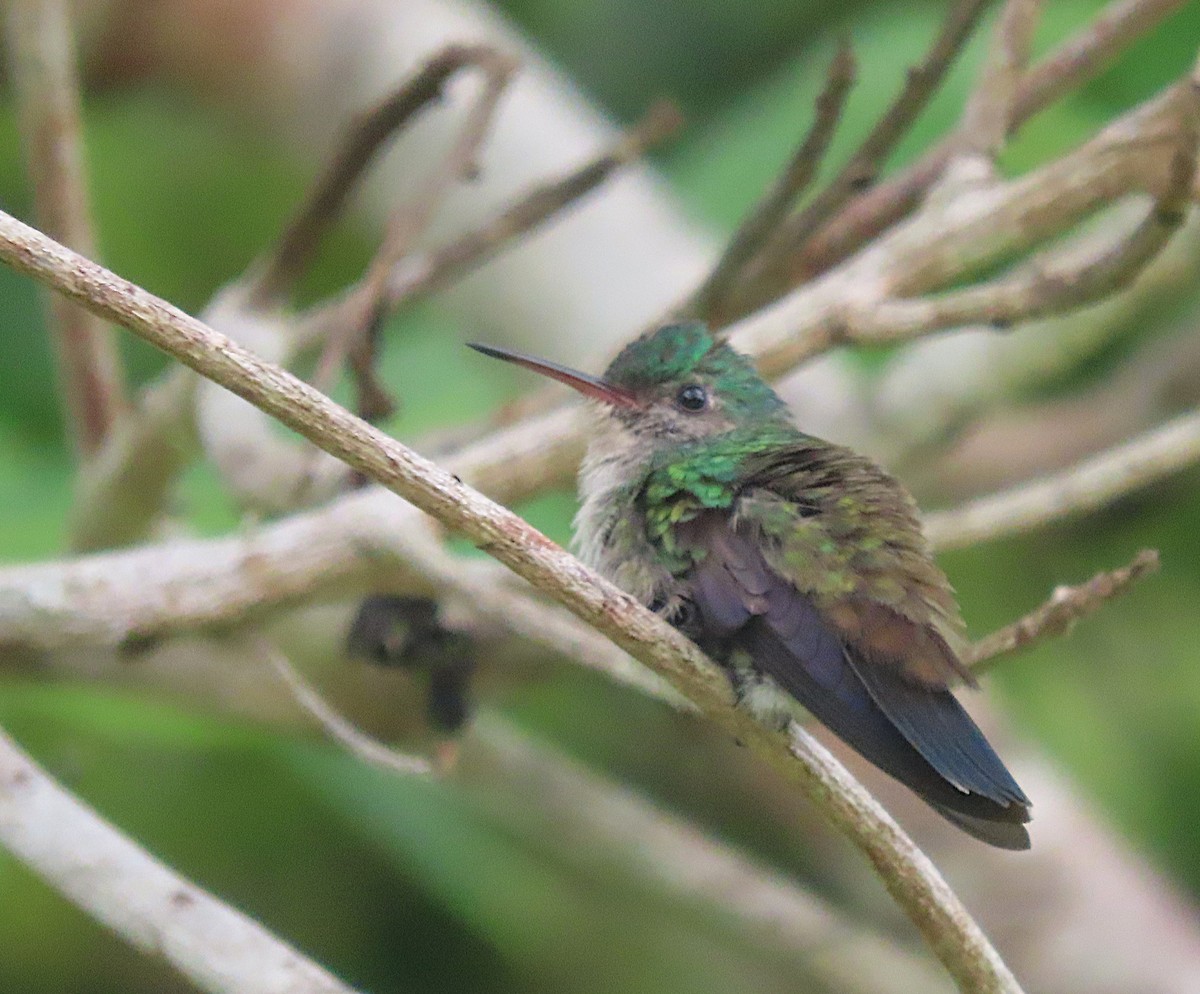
(796, 564)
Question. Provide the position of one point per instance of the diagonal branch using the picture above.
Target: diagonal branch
(596, 814)
(1066, 281)
(416, 278)
(1084, 56)
(366, 137)
(1092, 483)
(353, 331)
(771, 270)
(41, 64)
(93, 865)
(337, 727)
(593, 814)
(766, 216)
(1070, 66)
(909, 876)
(938, 246)
(992, 107)
(1057, 616)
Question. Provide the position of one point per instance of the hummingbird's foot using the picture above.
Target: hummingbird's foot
(760, 695)
(680, 613)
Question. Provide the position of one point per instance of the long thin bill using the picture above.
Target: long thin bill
(589, 386)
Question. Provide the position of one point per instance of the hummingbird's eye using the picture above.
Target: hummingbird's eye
(693, 398)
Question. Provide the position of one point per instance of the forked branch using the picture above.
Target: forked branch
(366, 137)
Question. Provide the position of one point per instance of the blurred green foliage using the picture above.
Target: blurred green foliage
(416, 886)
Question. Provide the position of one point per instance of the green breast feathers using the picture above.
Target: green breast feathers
(830, 521)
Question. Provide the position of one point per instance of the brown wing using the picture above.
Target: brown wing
(917, 733)
(846, 532)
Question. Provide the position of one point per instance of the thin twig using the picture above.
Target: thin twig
(906, 871)
(42, 70)
(213, 581)
(363, 308)
(351, 316)
(273, 277)
(991, 108)
(353, 739)
(446, 264)
(1084, 56)
(1071, 65)
(1087, 485)
(769, 213)
(417, 276)
(1057, 616)
(123, 492)
(1064, 282)
(764, 277)
(981, 227)
(1137, 152)
(913, 881)
(145, 902)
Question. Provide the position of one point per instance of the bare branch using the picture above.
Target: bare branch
(1057, 616)
(933, 249)
(417, 277)
(1083, 57)
(992, 108)
(764, 278)
(913, 881)
(363, 308)
(263, 470)
(905, 870)
(1136, 152)
(274, 277)
(1066, 281)
(354, 740)
(291, 475)
(765, 218)
(1085, 486)
(111, 878)
(104, 599)
(480, 592)
(42, 70)
(121, 492)
(1072, 64)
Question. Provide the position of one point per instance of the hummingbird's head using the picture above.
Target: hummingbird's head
(677, 384)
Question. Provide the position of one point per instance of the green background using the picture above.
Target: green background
(402, 885)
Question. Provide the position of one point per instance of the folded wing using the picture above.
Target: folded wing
(837, 665)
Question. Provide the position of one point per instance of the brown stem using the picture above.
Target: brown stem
(1058, 614)
(366, 303)
(772, 270)
(991, 108)
(42, 69)
(1068, 67)
(1060, 284)
(365, 138)
(452, 261)
(764, 219)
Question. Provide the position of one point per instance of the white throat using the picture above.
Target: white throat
(615, 461)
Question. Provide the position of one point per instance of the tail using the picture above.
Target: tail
(920, 736)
